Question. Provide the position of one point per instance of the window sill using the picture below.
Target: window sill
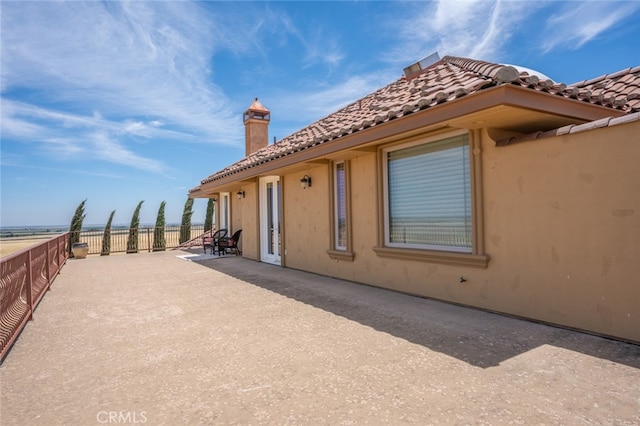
(341, 255)
(432, 256)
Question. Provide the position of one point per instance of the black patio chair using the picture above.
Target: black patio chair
(212, 241)
(225, 244)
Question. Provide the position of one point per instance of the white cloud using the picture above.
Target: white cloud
(65, 136)
(108, 148)
(59, 148)
(578, 23)
(124, 59)
(136, 128)
(19, 163)
(322, 102)
(470, 28)
(19, 128)
(320, 46)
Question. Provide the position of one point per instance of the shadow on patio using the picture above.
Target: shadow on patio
(480, 338)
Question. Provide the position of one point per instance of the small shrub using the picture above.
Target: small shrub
(208, 218)
(76, 224)
(185, 227)
(132, 241)
(106, 237)
(159, 242)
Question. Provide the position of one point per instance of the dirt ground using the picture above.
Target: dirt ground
(8, 246)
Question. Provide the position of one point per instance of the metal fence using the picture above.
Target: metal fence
(119, 238)
(25, 277)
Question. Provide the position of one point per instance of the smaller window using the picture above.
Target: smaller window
(340, 206)
(225, 211)
(340, 213)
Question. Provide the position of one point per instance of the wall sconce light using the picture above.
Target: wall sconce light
(305, 182)
(240, 195)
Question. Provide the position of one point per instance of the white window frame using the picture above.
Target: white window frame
(271, 238)
(337, 203)
(225, 211)
(337, 251)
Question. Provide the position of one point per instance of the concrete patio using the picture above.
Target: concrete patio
(155, 338)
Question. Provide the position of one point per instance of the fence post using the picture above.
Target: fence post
(148, 240)
(29, 286)
(61, 251)
(48, 265)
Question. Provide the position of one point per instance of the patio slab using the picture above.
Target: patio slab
(178, 338)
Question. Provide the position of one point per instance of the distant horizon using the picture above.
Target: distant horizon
(113, 225)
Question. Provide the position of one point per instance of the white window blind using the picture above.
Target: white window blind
(429, 196)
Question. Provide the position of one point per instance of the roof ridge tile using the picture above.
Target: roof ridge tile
(595, 80)
(619, 73)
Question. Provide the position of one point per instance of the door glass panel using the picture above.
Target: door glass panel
(277, 209)
(270, 221)
(270, 241)
(224, 211)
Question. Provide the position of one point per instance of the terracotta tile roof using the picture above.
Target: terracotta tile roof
(572, 128)
(619, 88)
(445, 81)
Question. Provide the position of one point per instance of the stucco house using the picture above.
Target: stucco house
(470, 182)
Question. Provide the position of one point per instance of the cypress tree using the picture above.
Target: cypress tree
(185, 227)
(132, 241)
(159, 242)
(208, 218)
(76, 224)
(106, 237)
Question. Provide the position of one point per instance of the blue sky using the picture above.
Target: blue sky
(119, 102)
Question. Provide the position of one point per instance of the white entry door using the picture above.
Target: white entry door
(270, 242)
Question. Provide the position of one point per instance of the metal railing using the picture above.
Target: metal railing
(146, 236)
(25, 276)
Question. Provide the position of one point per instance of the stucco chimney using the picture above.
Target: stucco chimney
(256, 127)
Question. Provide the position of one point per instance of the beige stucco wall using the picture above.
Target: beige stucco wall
(306, 234)
(561, 224)
(248, 208)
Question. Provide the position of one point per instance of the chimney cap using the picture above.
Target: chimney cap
(257, 111)
(257, 106)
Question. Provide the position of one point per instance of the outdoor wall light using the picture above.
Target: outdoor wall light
(240, 195)
(305, 181)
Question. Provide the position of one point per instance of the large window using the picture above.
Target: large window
(428, 195)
